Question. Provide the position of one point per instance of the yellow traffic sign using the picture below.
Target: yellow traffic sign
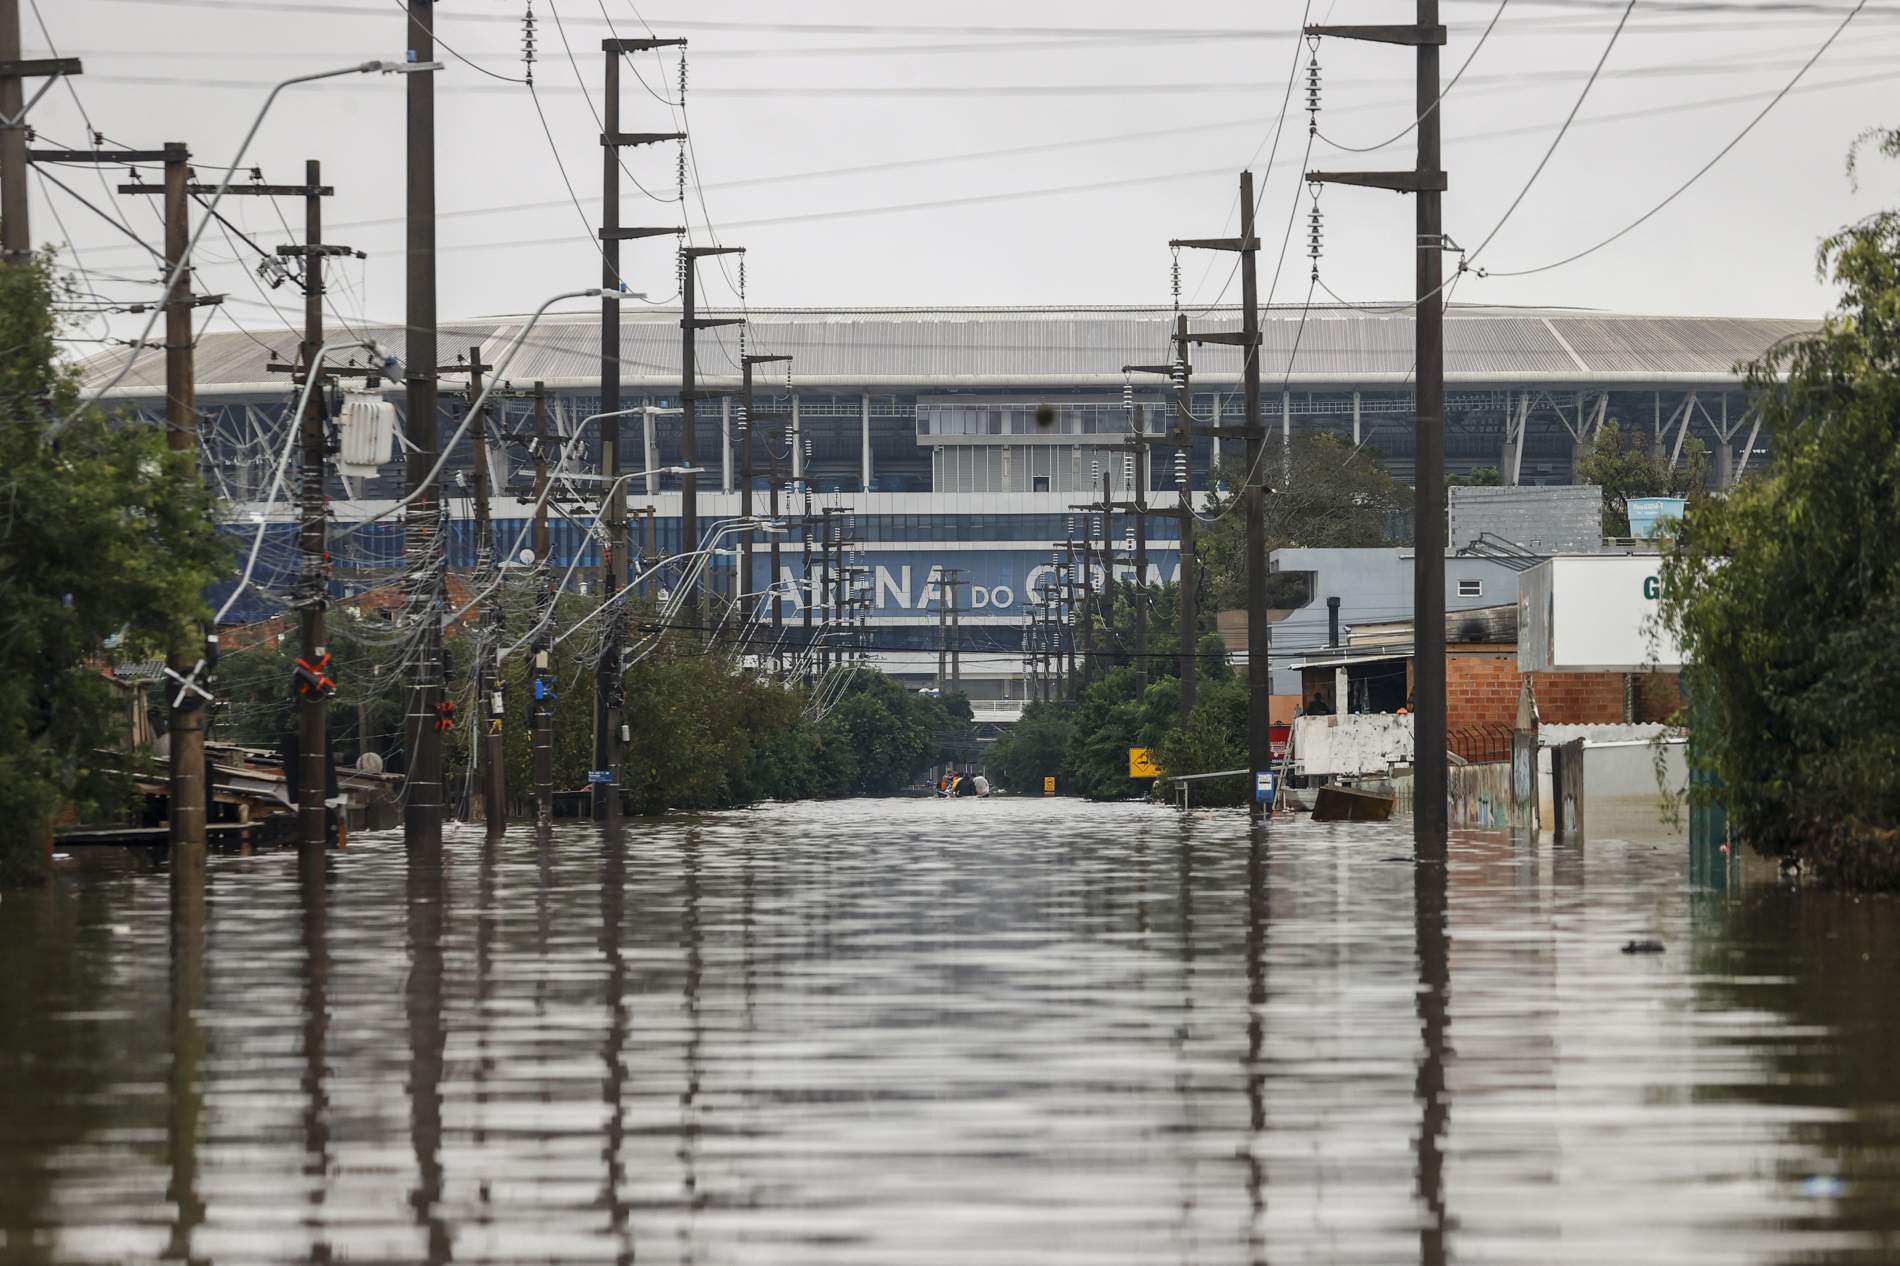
(1048, 784)
(1141, 763)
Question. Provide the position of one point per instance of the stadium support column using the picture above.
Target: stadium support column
(422, 543)
(1426, 181)
(864, 475)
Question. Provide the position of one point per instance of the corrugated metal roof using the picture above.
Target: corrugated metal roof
(1048, 347)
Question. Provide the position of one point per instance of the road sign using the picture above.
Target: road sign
(1141, 763)
(1048, 784)
(600, 775)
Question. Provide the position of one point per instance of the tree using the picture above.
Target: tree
(1785, 594)
(1321, 492)
(1626, 468)
(1035, 748)
(107, 536)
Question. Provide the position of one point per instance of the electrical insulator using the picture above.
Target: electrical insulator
(1175, 270)
(1312, 92)
(1177, 374)
(1095, 471)
(1313, 237)
(1128, 397)
(1180, 470)
(682, 76)
(527, 42)
(680, 171)
(1128, 469)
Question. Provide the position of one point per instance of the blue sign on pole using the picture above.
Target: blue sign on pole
(1263, 787)
(600, 775)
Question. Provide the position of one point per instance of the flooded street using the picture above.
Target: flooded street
(915, 1031)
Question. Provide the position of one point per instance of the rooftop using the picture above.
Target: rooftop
(949, 348)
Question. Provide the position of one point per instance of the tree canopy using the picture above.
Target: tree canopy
(1786, 593)
(106, 545)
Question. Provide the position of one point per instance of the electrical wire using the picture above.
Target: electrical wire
(1444, 92)
(1702, 171)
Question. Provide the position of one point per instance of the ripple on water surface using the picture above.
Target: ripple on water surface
(917, 1031)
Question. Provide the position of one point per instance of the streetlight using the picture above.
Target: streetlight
(427, 482)
(204, 221)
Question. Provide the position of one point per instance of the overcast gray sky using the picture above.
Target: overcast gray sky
(897, 153)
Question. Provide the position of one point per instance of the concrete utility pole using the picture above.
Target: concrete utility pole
(1259, 677)
(488, 695)
(1181, 438)
(690, 325)
(609, 691)
(423, 545)
(747, 420)
(1427, 181)
(543, 701)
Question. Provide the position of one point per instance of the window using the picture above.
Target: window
(1471, 589)
(1039, 483)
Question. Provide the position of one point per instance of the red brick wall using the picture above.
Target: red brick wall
(1481, 688)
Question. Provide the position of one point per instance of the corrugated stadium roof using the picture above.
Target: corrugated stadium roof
(947, 348)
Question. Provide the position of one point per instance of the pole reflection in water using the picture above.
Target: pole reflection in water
(1429, 879)
(1256, 1074)
(613, 1084)
(427, 893)
(313, 889)
(186, 1084)
(986, 1033)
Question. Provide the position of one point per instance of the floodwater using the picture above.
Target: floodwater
(968, 1032)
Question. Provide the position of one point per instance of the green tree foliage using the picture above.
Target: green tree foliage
(1320, 493)
(1215, 738)
(105, 535)
(1035, 748)
(1786, 593)
(1625, 467)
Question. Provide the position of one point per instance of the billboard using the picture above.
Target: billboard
(1594, 613)
(993, 582)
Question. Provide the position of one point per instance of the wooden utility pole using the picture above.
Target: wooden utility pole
(488, 692)
(1427, 181)
(1259, 676)
(313, 682)
(423, 545)
(609, 691)
(316, 683)
(16, 234)
(1139, 499)
(543, 690)
(690, 325)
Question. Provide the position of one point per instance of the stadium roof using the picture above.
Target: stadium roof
(947, 349)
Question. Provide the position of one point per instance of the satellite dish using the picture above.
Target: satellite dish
(527, 558)
(369, 763)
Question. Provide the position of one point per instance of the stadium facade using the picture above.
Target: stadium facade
(965, 437)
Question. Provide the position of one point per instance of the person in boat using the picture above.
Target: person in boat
(966, 786)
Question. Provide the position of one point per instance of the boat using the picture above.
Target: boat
(1336, 802)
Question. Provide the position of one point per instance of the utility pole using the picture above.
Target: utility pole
(488, 692)
(1140, 501)
(543, 702)
(1181, 438)
(314, 681)
(1428, 182)
(746, 420)
(423, 545)
(1259, 677)
(609, 689)
(16, 234)
(943, 636)
(690, 325)
(955, 576)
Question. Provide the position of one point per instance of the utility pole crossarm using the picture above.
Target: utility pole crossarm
(110, 157)
(757, 358)
(1396, 181)
(314, 248)
(1216, 243)
(197, 190)
(638, 46)
(628, 235)
(622, 139)
(708, 323)
(1163, 370)
(1415, 35)
(700, 252)
(1231, 338)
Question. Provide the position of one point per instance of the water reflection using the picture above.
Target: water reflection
(910, 1032)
